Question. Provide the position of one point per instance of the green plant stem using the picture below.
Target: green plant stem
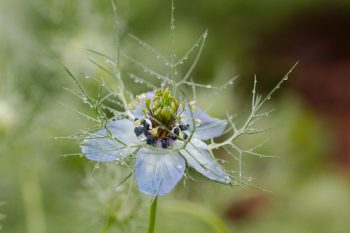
(152, 216)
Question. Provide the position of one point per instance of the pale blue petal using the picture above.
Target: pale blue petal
(100, 147)
(199, 158)
(209, 127)
(123, 130)
(158, 171)
(137, 112)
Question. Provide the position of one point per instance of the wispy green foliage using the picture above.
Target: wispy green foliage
(112, 102)
(108, 201)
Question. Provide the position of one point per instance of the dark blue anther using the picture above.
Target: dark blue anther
(145, 124)
(175, 134)
(176, 131)
(184, 127)
(165, 143)
(139, 130)
(185, 136)
(150, 139)
(147, 133)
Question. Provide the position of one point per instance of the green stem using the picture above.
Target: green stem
(152, 216)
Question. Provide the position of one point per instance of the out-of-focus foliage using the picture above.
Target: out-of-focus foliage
(45, 192)
(2, 216)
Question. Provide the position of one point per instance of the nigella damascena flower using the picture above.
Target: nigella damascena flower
(167, 137)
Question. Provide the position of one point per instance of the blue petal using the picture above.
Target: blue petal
(137, 112)
(100, 147)
(209, 127)
(199, 158)
(158, 171)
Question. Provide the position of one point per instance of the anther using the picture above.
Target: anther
(147, 133)
(176, 131)
(150, 139)
(137, 122)
(175, 134)
(165, 143)
(139, 130)
(185, 136)
(145, 124)
(184, 127)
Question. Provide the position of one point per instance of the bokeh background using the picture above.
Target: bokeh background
(42, 192)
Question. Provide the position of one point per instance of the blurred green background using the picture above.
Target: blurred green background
(43, 192)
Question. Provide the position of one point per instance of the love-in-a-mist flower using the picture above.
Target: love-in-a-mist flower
(168, 138)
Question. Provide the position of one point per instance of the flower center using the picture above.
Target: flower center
(162, 123)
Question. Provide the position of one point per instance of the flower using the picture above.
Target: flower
(167, 138)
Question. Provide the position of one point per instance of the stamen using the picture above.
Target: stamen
(145, 124)
(181, 135)
(165, 143)
(176, 131)
(137, 122)
(184, 127)
(150, 139)
(139, 130)
(185, 136)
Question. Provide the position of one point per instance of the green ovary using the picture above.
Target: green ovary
(164, 111)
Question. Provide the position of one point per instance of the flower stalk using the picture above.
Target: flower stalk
(152, 216)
